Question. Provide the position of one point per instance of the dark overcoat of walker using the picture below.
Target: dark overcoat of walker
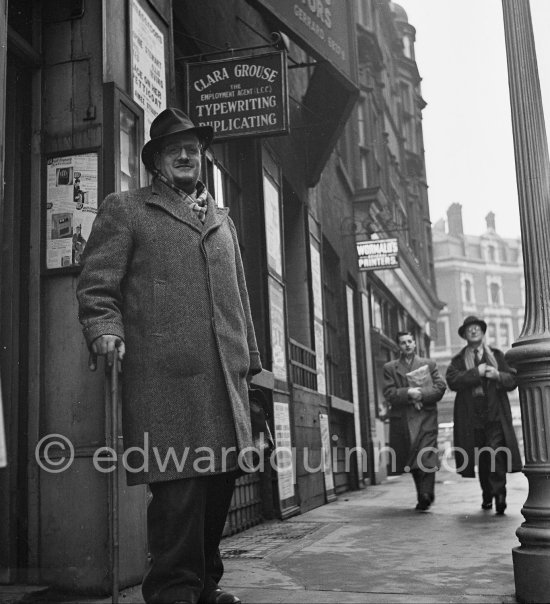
(174, 290)
(463, 381)
(412, 430)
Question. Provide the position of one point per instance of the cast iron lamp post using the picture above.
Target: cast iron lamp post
(531, 353)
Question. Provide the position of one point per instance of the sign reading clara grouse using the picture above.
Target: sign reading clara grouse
(378, 254)
(244, 96)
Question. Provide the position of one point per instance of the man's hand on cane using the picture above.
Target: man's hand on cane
(106, 346)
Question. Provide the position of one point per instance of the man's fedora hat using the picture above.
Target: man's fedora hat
(471, 321)
(168, 122)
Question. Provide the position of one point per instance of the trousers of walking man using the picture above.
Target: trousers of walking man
(413, 387)
(483, 431)
(163, 286)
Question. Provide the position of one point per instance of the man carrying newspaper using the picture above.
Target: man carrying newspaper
(412, 388)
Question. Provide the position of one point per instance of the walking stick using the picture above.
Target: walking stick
(111, 413)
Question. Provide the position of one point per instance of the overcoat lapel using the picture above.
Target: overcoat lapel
(402, 368)
(167, 199)
(214, 216)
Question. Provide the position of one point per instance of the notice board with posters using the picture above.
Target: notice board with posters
(70, 208)
(148, 65)
(244, 96)
(283, 451)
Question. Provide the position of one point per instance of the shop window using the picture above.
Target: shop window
(296, 268)
(122, 141)
(338, 378)
(376, 312)
(218, 186)
(272, 213)
(129, 141)
(222, 179)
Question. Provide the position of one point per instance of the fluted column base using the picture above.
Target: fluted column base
(532, 558)
(531, 574)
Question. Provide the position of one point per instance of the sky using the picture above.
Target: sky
(467, 127)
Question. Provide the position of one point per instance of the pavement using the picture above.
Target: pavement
(371, 546)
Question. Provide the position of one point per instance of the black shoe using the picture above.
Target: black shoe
(487, 503)
(424, 502)
(500, 504)
(218, 596)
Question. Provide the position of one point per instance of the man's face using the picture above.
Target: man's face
(474, 334)
(179, 160)
(407, 344)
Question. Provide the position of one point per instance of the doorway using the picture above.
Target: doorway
(14, 321)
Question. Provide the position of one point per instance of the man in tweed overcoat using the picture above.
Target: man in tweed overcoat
(163, 284)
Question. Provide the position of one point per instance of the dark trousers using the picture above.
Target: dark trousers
(185, 521)
(424, 482)
(491, 466)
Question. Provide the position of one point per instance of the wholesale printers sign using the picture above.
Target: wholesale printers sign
(244, 96)
(378, 254)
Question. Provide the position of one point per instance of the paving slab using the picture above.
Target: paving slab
(372, 546)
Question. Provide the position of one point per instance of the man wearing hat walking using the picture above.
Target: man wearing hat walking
(483, 430)
(163, 287)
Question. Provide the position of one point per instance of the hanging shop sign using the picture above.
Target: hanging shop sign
(244, 96)
(324, 26)
(378, 254)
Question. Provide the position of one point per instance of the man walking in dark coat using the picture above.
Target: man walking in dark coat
(483, 430)
(163, 285)
(412, 387)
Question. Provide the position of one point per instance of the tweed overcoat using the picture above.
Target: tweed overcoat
(412, 430)
(463, 381)
(174, 290)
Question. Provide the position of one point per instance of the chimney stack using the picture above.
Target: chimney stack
(454, 220)
(490, 220)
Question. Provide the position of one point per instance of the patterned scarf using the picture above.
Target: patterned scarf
(197, 203)
(470, 362)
